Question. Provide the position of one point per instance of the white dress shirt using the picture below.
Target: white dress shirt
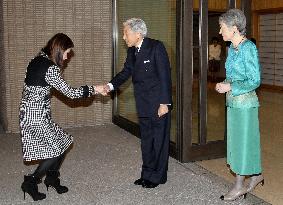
(214, 52)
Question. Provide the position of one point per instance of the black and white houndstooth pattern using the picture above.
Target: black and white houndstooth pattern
(41, 137)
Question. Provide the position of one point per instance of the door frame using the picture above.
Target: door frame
(117, 119)
(187, 151)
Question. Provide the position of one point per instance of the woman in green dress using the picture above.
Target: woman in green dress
(242, 78)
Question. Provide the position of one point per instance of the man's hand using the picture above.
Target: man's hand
(101, 89)
(162, 110)
(106, 88)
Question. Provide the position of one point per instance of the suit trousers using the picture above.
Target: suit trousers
(155, 138)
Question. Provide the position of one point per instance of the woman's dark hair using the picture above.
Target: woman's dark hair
(56, 47)
(214, 39)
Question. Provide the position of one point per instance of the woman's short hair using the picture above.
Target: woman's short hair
(137, 25)
(56, 47)
(234, 17)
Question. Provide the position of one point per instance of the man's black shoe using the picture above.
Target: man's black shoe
(149, 184)
(139, 181)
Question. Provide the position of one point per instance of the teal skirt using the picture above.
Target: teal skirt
(243, 141)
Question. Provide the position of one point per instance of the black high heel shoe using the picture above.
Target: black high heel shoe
(52, 180)
(30, 186)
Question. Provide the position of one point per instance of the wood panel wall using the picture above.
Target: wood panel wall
(216, 5)
(256, 4)
(263, 7)
(259, 5)
(3, 107)
(28, 25)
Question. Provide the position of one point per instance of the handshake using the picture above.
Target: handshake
(102, 89)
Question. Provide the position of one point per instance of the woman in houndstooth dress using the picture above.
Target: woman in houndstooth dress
(42, 138)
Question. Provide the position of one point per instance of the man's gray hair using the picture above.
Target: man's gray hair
(234, 17)
(137, 25)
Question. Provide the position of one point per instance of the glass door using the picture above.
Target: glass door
(203, 109)
(186, 27)
(160, 18)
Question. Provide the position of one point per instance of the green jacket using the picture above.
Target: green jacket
(243, 74)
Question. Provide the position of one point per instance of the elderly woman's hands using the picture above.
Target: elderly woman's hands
(223, 87)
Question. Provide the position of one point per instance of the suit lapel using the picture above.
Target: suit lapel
(143, 51)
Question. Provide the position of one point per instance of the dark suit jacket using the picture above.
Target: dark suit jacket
(151, 76)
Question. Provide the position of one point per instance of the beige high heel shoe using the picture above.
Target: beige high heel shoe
(254, 182)
(233, 195)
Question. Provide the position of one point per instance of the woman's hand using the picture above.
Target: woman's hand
(223, 87)
(101, 89)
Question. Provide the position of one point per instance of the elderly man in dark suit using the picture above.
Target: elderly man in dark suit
(148, 64)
